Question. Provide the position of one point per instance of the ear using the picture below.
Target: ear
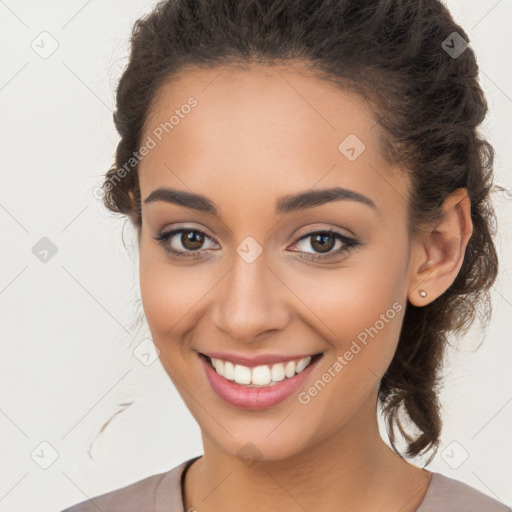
(437, 256)
(131, 196)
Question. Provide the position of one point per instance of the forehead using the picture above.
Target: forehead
(263, 129)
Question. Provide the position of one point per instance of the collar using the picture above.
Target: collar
(169, 492)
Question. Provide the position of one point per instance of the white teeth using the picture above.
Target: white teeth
(302, 364)
(228, 372)
(277, 372)
(289, 369)
(259, 375)
(242, 374)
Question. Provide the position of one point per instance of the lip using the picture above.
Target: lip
(259, 398)
(258, 360)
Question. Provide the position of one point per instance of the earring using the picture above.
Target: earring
(423, 293)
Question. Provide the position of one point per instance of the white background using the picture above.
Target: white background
(68, 325)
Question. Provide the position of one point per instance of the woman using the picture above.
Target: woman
(311, 197)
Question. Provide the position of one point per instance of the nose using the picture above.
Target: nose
(251, 302)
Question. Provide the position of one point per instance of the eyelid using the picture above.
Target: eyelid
(330, 229)
(186, 227)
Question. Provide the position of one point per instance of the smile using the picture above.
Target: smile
(257, 387)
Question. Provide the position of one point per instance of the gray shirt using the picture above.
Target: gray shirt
(164, 493)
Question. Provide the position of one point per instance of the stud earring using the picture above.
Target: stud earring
(423, 293)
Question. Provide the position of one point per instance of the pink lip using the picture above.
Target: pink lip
(243, 397)
(261, 359)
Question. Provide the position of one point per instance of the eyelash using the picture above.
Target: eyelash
(348, 244)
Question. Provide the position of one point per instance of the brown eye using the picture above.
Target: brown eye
(325, 245)
(184, 243)
(323, 242)
(192, 240)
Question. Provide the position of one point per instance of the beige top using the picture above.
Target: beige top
(164, 493)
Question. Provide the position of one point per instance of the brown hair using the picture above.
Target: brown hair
(428, 103)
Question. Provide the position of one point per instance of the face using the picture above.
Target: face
(247, 271)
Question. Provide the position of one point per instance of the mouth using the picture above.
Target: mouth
(257, 387)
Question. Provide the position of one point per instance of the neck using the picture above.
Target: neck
(352, 469)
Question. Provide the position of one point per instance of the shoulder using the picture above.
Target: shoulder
(136, 496)
(446, 494)
(141, 496)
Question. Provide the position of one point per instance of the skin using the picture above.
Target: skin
(256, 135)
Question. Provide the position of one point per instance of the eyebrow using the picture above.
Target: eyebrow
(286, 204)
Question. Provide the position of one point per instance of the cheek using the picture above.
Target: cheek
(167, 292)
(173, 296)
(364, 319)
(363, 327)
(359, 310)
(350, 299)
